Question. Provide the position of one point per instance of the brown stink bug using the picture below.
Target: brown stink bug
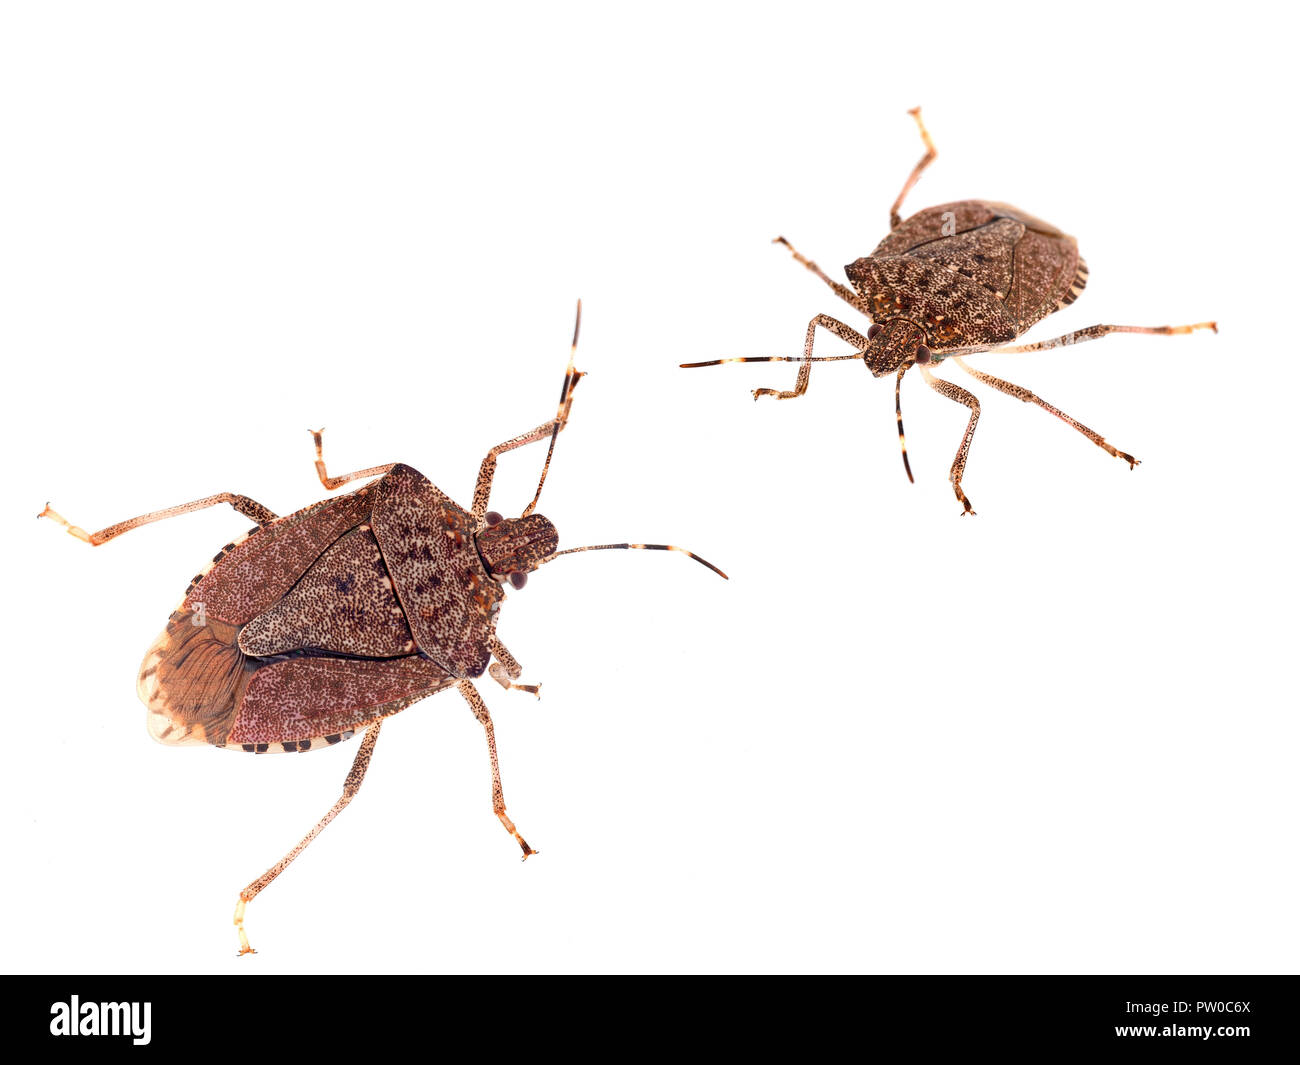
(322, 623)
(950, 281)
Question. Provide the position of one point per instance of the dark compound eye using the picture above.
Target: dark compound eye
(493, 518)
(874, 331)
(923, 354)
(518, 579)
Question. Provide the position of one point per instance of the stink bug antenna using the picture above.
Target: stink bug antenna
(571, 379)
(771, 358)
(635, 547)
(898, 411)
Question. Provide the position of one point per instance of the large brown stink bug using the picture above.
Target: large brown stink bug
(322, 623)
(952, 280)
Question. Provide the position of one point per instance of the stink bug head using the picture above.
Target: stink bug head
(891, 344)
(513, 547)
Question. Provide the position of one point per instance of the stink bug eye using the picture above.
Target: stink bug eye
(874, 331)
(923, 355)
(518, 579)
(493, 518)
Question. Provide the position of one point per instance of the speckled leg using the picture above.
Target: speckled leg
(476, 704)
(506, 669)
(1028, 397)
(342, 479)
(835, 326)
(926, 160)
(483, 489)
(845, 293)
(1096, 332)
(957, 395)
(248, 507)
(553, 428)
(350, 787)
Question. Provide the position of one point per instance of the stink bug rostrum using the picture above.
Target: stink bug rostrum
(950, 281)
(322, 623)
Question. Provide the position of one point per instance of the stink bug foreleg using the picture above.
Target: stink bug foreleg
(487, 471)
(248, 507)
(805, 368)
(483, 487)
(351, 785)
(833, 325)
(506, 669)
(479, 707)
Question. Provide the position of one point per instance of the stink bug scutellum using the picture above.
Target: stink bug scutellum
(322, 623)
(953, 280)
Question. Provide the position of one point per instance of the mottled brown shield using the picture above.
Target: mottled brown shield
(972, 273)
(344, 603)
(306, 702)
(251, 575)
(324, 621)
(449, 598)
(201, 688)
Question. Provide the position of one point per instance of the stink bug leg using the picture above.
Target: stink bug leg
(338, 482)
(506, 670)
(351, 785)
(1094, 332)
(479, 707)
(553, 428)
(248, 507)
(926, 160)
(957, 395)
(1026, 396)
(805, 366)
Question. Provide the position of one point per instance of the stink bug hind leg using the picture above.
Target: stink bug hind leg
(250, 508)
(351, 785)
(244, 946)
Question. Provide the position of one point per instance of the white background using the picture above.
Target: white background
(1058, 737)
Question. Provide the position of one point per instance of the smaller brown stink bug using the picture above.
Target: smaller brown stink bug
(319, 625)
(953, 280)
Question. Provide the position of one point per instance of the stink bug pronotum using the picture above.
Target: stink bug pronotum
(322, 623)
(953, 280)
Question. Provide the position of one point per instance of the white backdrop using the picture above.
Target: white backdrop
(1057, 737)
